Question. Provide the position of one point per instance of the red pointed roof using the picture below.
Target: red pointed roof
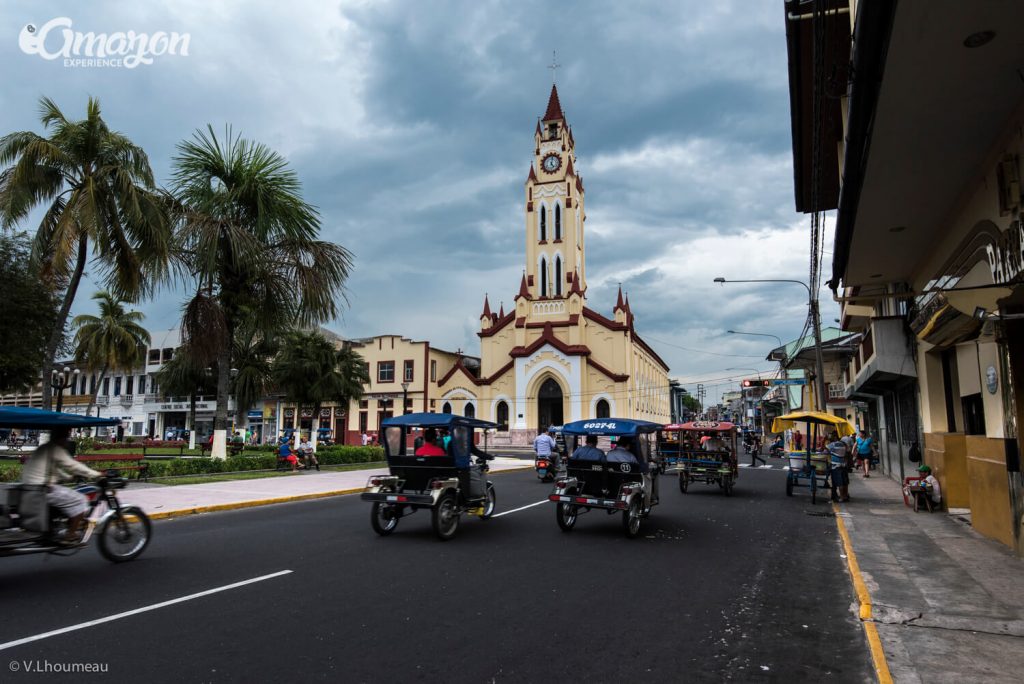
(538, 127)
(575, 289)
(533, 174)
(487, 308)
(501, 310)
(569, 171)
(524, 291)
(627, 302)
(618, 302)
(554, 112)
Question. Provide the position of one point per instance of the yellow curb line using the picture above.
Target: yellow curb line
(267, 502)
(864, 598)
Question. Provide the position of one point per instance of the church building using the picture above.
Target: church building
(551, 358)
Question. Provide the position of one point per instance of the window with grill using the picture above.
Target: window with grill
(407, 370)
(386, 371)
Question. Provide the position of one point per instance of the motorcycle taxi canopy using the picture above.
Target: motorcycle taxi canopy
(791, 420)
(614, 427)
(701, 426)
(437, 420)
(38, 419)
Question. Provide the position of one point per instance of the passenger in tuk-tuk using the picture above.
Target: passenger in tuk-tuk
(623, 453)
(429, 446)
(589, 451)
(714, 443)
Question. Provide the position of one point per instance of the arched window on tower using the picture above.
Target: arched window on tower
(602, 409)
(470, 411)
(558, 222)
(447, 408)
(501, 416)
(543, 277)
(558, 276)
(543, 223)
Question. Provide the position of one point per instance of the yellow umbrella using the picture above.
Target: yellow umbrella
(790, 420)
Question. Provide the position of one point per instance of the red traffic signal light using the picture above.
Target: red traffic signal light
(748, 383)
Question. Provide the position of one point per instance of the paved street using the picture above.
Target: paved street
(748, 588)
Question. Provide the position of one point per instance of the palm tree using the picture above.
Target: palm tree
(97, 187)
(311, 371)
(250, 241)
(113, 341)
(183, 376)
(251, 355)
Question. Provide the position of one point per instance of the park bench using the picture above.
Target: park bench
(140, 467)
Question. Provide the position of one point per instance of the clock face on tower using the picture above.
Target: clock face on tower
(551, 163)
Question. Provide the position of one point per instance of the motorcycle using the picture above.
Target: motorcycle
(546, 467)
(28, 525)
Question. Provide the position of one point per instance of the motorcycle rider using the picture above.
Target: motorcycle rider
(545, 446)
(49, 463)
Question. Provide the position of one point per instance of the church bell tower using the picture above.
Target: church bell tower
(555, 216)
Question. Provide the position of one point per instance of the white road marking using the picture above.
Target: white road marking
(521, 508)
(144, 609)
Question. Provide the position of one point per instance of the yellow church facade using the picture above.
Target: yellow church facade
(552, 359)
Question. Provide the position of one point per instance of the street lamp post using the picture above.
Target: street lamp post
(405, 398)
(60, 381)
(812, 303)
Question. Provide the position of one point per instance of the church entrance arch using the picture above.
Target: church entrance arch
(549, 404)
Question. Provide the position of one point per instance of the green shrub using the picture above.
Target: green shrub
(10, 472)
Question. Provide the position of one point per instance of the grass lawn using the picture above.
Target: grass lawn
(256, 474)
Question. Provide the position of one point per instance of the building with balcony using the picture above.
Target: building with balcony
(907, 121)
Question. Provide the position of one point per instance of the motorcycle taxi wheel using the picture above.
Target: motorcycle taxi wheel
(631, 517)
(445, 516)
(383, 518)
(490, 503)
(684, 481)
(789, 485)
(566, 514)
(124, 535)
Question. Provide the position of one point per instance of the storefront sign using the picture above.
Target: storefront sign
(186, 406)
(1006, 255)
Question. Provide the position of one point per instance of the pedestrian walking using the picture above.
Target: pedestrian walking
(798, 440)
(865, 452)
(366, 438)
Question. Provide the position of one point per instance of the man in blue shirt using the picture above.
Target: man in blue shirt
(545, 446)
(589, 451)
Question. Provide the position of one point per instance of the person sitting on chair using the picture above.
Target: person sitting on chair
(429, 448)
(589, 451)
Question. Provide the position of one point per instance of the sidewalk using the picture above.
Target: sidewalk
(167, 501)
(947, 603)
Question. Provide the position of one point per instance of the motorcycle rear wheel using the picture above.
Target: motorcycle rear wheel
(124, 535)
(383, 518)
(566, 514)
(445, 517)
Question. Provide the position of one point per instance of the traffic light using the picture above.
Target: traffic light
(748, 383)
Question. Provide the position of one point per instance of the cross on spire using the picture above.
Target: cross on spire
(554, 65)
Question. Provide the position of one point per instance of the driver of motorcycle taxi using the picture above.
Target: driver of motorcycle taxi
(50, 463)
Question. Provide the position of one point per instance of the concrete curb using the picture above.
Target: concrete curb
(213, 508)
(161, 515)
(864, 598)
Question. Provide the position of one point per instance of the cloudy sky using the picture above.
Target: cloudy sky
(410, 125)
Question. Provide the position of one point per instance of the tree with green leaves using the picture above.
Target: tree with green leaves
(311, 371)
(250, 241)
(113, 341)
(99, 198)
(28, 313)
(252, 371)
